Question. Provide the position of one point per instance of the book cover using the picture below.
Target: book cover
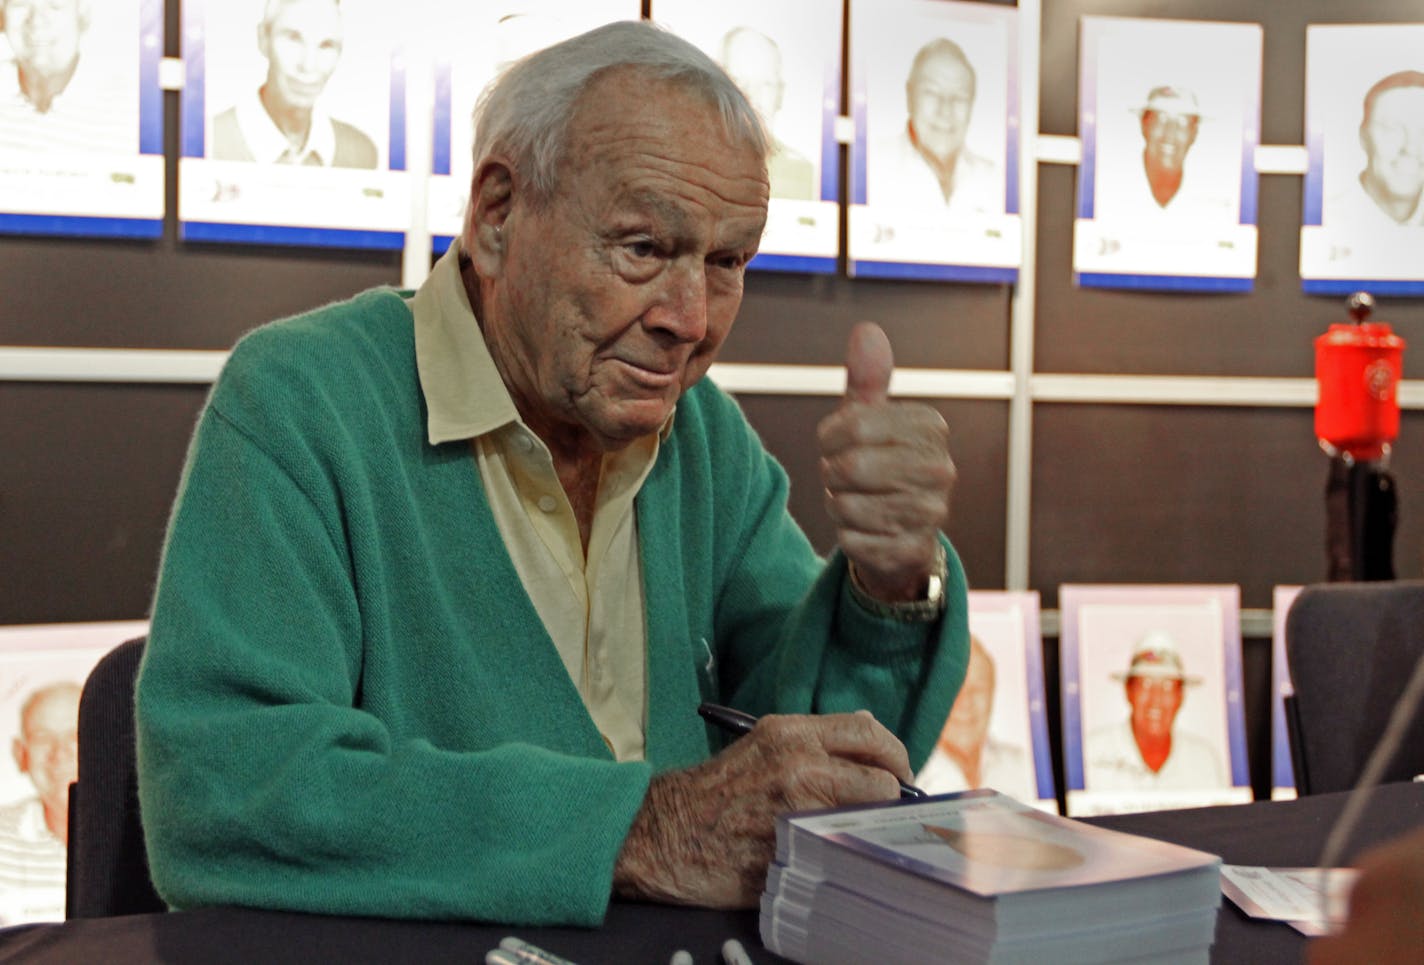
(984, 843)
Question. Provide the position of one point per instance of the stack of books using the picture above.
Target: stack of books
(979, 877)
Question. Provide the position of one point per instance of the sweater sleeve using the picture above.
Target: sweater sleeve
(263, 782)
(795, 639)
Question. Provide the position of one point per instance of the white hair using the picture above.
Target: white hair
(525, 113)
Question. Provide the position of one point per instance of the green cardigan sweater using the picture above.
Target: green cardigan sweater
(349, 705)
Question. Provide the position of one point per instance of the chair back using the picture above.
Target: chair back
(108, 866)
(1351, 648)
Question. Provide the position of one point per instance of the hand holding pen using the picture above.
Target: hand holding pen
(740, 722)
(706, 834)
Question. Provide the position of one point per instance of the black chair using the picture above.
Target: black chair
(108, 867)
(1351, 648)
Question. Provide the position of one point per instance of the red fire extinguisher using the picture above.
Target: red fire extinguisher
(1358, 366)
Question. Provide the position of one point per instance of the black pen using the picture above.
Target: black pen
(740, 722)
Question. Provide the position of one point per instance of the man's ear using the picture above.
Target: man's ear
(491, 200)
(22, 755)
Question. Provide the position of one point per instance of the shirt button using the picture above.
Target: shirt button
(525, 443)
(548, 503)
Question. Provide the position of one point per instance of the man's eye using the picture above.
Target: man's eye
(729, 262)
(641, 249)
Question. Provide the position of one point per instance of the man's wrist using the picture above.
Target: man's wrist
(925, 610)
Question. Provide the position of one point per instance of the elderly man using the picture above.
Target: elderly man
(282, 122)
(1145, 751)
(55, 99)
(35, 831)
(448, 576)
(929, 161)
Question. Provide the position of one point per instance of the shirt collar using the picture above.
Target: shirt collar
(464, 394)
(270, 146)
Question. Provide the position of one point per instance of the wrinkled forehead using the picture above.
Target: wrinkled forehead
(325, 14)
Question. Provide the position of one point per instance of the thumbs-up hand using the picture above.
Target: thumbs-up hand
(887, 472)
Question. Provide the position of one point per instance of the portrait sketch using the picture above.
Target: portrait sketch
(69, 76)
(42, 671)
(1363, 223)
(786, 58)
(482, 39)
(81, 118)
(1169, 120)
(1152, 697)
(996, 732)
(298, 82)
(934, 177)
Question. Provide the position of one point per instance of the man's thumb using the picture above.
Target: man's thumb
(869, 363)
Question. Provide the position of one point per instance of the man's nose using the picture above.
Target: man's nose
(682, 309)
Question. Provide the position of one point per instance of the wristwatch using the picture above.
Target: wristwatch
(911, 611)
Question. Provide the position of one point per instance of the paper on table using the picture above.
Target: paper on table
(1291, 895)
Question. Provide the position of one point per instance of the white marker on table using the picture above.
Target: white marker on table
(734, 954)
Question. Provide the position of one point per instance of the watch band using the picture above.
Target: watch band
(910, 611)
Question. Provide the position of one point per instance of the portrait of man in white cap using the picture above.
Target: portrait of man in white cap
(1170, 118)
(1146, 751)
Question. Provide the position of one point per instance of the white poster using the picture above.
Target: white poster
(481, 40)
(1363, 223)
(996, 734)
(293, 123)
(1169, 119)
(1282, 770)
(787, 59)
(81, 118)
(934, 163)
(42, 672)
(1151, 691)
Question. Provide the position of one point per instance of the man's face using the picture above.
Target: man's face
(302, 45)
(44, 34)
(754, 64)
(968, 721)
(47, 748)
(1155, 702)
(614, 295)
(941, 97)
(1169, 136)
(1393, 139)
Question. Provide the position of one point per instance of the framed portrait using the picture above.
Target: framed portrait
(81, 118)
(1169, 116)
(935, 156)
(1363, 222)
(1151, 692)
(481, 39)
(42, 671)
(787, 60)
(293, 123)
(1282, 770)
(996, 734)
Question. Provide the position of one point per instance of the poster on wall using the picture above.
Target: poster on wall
(293, 124)
(42, 671)
(1169, 116)
(1282, 771)
(81, 118)
(1363, 223)
(482, 40)
(996, 734)
(1151, 691)
(934, 162)
(787, 60)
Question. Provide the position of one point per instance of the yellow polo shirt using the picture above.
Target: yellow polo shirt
(591, 606)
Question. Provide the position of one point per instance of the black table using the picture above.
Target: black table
(1281, 834)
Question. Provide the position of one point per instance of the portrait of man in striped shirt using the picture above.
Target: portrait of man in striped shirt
(65, 85)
